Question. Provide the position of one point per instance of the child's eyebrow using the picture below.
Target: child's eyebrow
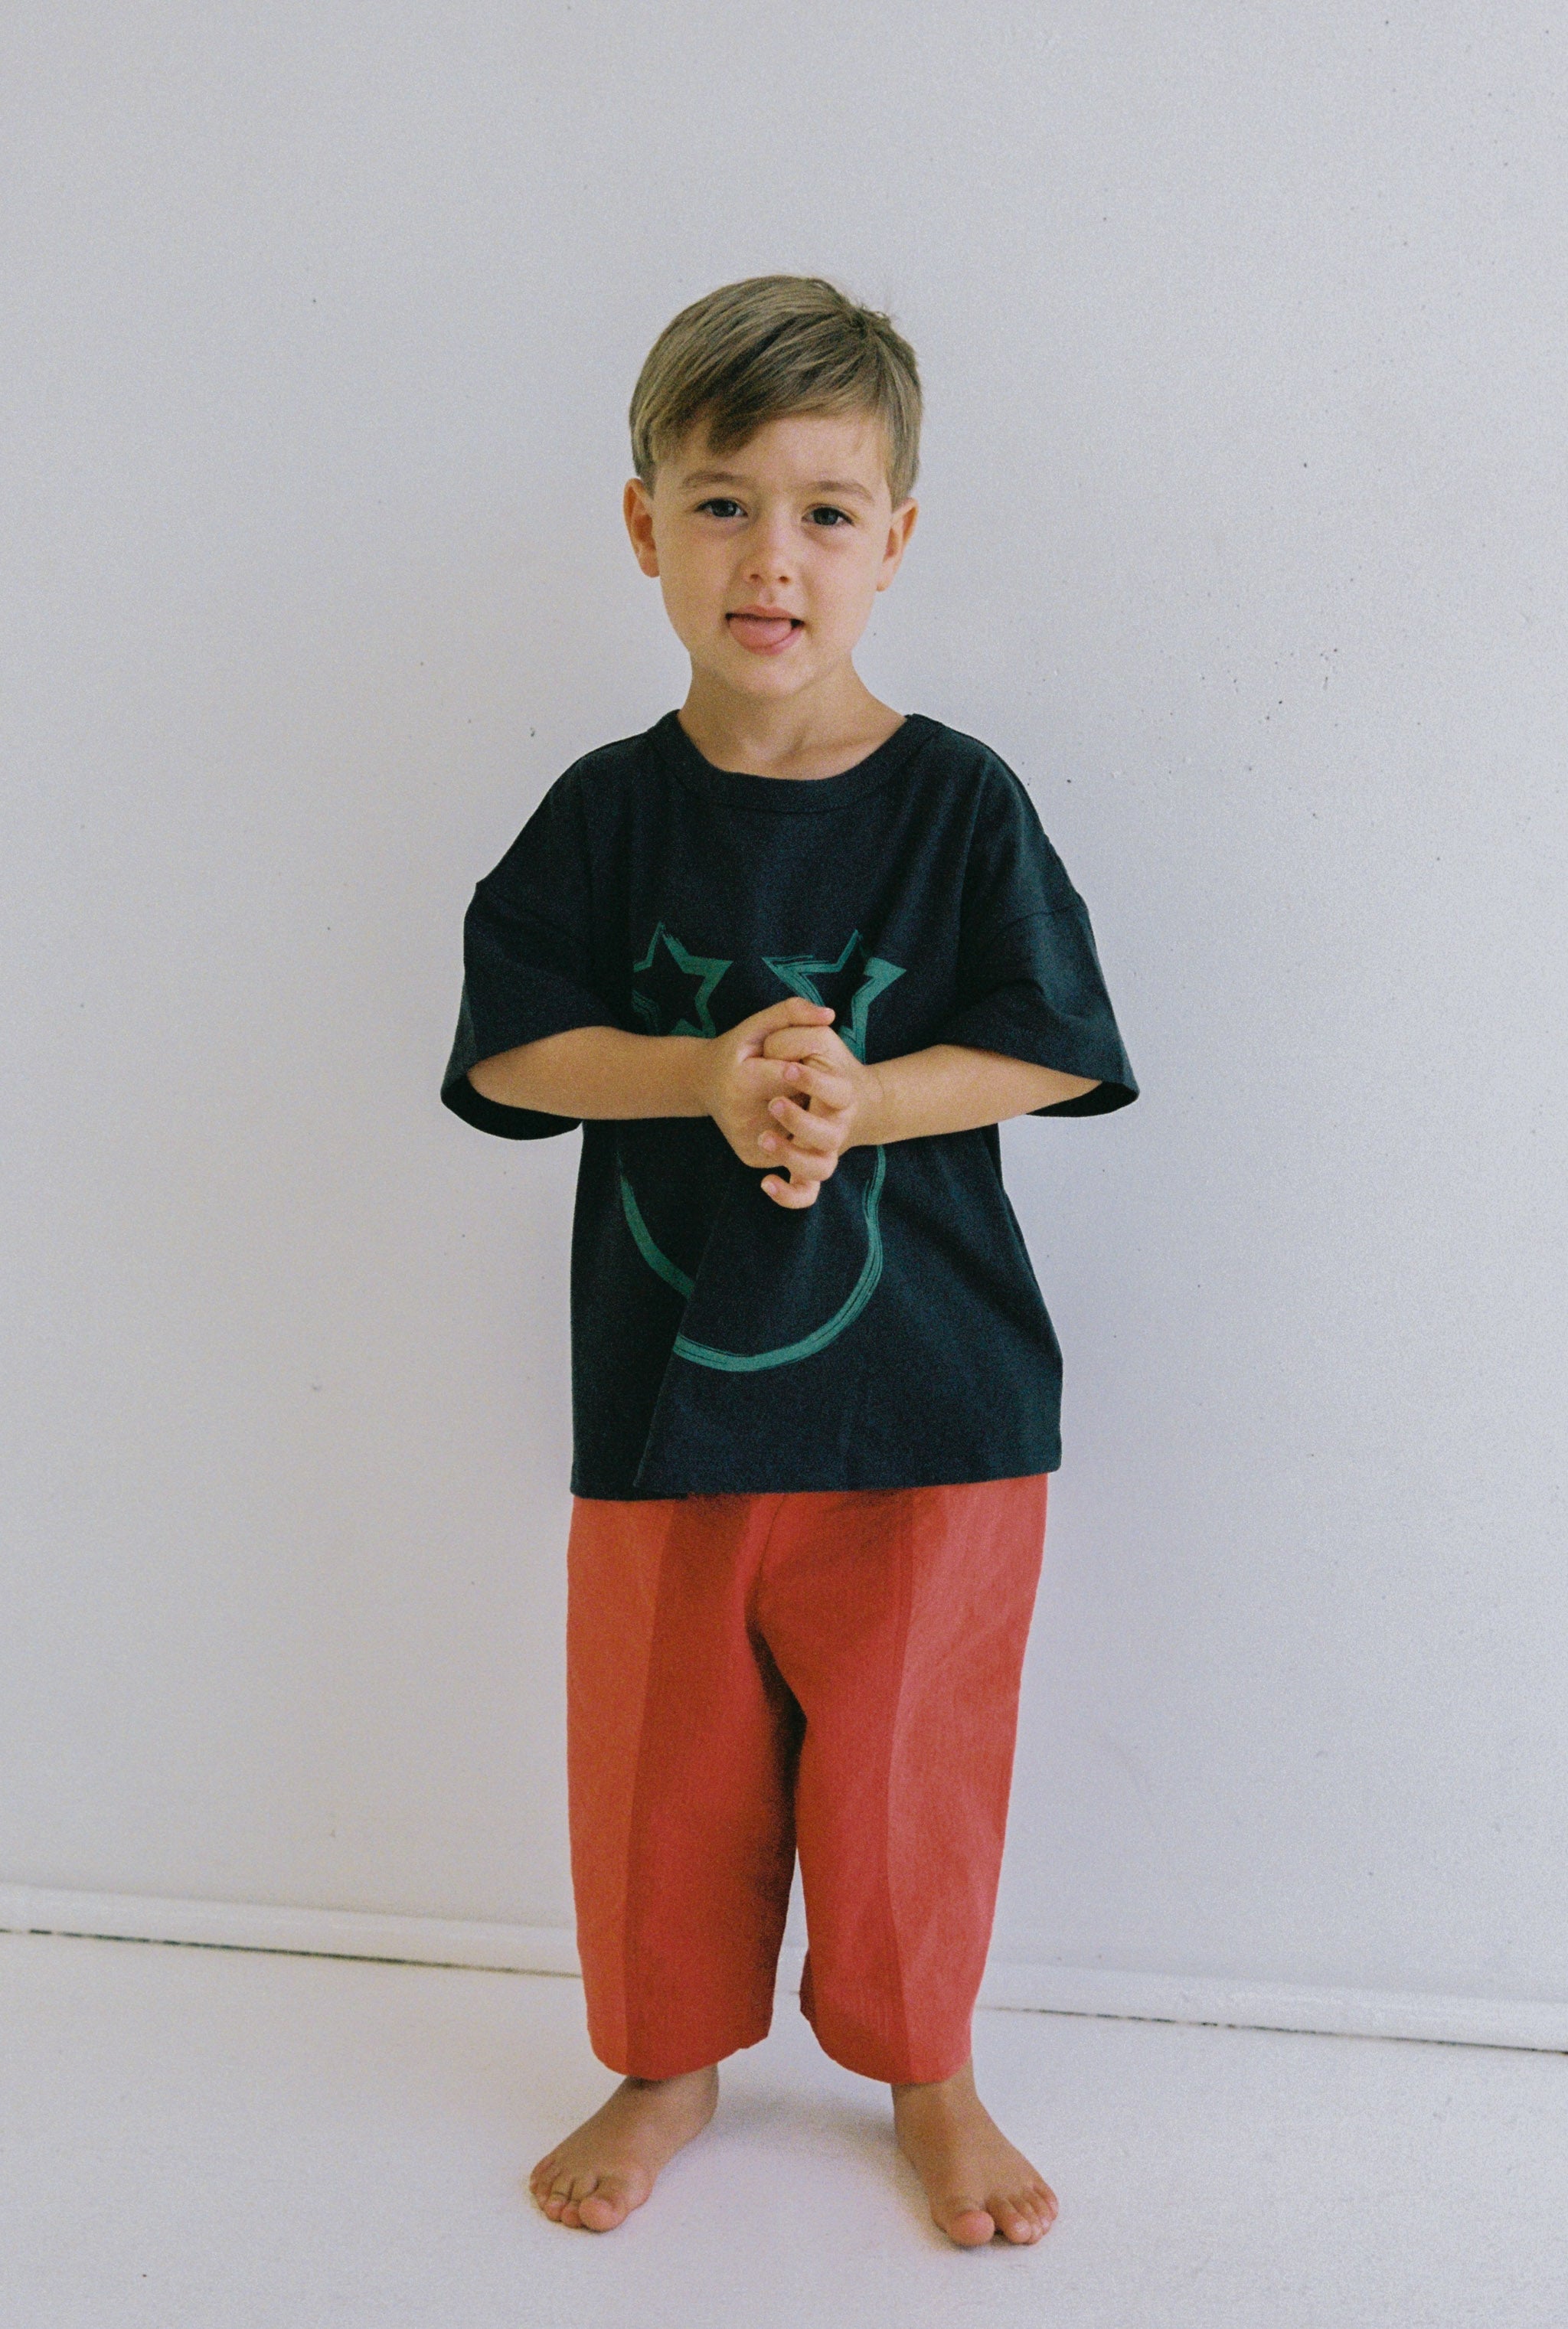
(844, 486)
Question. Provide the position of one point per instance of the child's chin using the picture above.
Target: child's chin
(760, 671)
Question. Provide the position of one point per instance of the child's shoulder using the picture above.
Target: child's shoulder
(976, 757)
(1000, 797)
(606, 769)
(1002, 825)
(588, 799)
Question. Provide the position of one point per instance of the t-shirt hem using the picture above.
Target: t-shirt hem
(600, 1490)
(497, 1117)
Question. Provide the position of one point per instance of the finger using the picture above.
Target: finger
(802, 1134)
(802, 1163)
(793, 1199)
(793, 1011)
(822, 1082)
(816, 1130)
(804, 1042)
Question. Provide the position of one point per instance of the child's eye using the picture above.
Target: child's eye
(721, 504)
(828, 511)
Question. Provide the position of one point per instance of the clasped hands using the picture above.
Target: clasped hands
(784, 1089)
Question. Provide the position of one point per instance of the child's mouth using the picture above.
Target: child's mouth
(765, 634)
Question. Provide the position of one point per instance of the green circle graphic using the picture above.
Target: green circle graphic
(737, 1362)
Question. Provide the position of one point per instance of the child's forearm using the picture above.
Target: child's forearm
(952, 1087)
(605, 1072)
(598, 1071)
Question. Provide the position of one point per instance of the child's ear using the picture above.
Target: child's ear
(636, 508)
(901, 525)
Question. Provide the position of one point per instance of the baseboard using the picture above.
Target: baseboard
(1538, 2025)
(298, 1932)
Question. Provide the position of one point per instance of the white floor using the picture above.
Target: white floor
(197, 2138)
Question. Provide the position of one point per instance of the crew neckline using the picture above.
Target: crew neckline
(788, 795)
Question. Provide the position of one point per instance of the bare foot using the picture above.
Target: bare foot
(976, 2183)
(595, 2178)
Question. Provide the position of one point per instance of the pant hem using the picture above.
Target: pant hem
(628, 2065)
(885, 2067)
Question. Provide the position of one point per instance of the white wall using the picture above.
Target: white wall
(1242, 538)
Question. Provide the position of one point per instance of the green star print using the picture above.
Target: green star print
(868, 973)
(666, 969)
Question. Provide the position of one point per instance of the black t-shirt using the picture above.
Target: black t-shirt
(892, 1334)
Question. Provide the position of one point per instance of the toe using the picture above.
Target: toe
(602, 2209)
(555, 2198)
(1015, 2222)
(598, 2203)
(966, 2222)
(575, 2192)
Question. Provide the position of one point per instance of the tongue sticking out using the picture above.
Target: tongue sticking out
(761, 630)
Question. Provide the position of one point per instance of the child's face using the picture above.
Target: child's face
(797, 521)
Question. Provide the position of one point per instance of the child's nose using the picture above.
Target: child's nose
(772, 548)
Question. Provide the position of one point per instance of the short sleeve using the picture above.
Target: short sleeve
(528, 958)
(1030, 985)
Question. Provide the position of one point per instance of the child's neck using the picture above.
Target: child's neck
(819, 732)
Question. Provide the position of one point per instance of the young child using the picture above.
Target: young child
(789, 958)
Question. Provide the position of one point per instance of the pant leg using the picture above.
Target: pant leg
(899, 1620)
(681, 1747)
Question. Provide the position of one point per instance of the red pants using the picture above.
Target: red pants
(750, 1675)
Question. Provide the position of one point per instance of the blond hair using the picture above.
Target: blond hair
(768, 347)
